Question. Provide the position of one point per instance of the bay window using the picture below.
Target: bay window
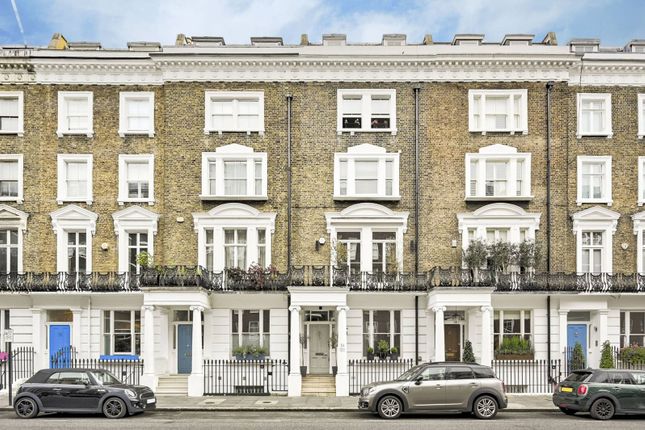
(381, 326)
(502, 111)
(121, 332)
(369, 110)
(235, 248)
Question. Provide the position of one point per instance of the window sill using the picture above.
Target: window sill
(126, 133)
(150, 202)
(88, 133)
(498, 198)
(17, 200)
(19, 133)
(581, 202)
(367, 197)
(220, 132)
(353, 131)
(608, 135)
(231, 198)
(511, 132)
(63, 201)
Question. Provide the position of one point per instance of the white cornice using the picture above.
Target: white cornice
(140, 72)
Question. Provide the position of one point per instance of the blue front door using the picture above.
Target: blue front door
(577, 333)
(184, 348)
(59, 345)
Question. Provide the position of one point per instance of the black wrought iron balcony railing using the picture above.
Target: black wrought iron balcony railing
(63, 282)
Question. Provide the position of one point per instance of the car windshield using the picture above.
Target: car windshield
(408, 375)
(105, 378)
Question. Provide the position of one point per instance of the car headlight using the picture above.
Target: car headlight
(368, 390)
(131, 394)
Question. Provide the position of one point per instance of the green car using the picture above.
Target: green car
(602, 392)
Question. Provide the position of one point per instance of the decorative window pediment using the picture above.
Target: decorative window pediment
(366, 172)
(74, 228)
(135, 228)
(498, 172)
(73, 216)
(234, 172)
(12, 217)
(594, 229)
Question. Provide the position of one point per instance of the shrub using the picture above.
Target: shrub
(607, 356)
(469, 356)
(633, 355)
(514, 345)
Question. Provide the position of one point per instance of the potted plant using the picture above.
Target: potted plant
(528, 255)
(500, 255)
(475, 257)
(259, 353)
(239, 352)
(333, 344)
(303, 344)
(148, 275)
(514, 348)
(607, 356)
(577, 360)
(370, 353)
(469, 355)
(394, 353)
(382, 348)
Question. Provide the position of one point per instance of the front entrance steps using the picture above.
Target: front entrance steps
(172, 385)
(319, 386)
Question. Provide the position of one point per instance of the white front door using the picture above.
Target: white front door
(319, 348)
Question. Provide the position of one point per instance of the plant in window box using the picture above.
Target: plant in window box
(303, 344)
(383, 349)
(394, 353)
(514, 348)
(370, 353)
(475, 257)
(239, 352)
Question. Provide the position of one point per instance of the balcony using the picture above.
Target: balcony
(271, 280)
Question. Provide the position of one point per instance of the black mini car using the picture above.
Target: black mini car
(81, 390)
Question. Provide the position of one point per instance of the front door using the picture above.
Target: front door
(577, 333)
(184, 348)
(59, 345)
(319, 348)
(452, 338)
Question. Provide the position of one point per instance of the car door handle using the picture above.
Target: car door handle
(56, 389)
(101, 391)
(473, 384)
(438, 386)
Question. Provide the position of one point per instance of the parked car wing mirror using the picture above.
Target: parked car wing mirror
(418, 379)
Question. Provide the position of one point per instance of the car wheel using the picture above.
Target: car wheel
(390, 407)
(568, 411)
(26, 407)
(485, 407)
(602, 409)
(114, 408)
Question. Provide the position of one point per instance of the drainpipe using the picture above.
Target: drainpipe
(417, 89)
(288, 333)
(416, 329)
(289, 100)
(549, 88)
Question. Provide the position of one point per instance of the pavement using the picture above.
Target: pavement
(516, 403)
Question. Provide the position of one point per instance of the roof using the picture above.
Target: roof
(42, 375)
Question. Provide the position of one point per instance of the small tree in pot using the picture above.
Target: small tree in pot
(394, 353)
(528, 254)
(383, 348)
(469, 355)
(500, 255)
(475, 257)
(303, 343)
(578, 360)
(607, 356)
(333, 344)
(370, 353)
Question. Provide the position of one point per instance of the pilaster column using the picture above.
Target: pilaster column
(487, 341)
(76, 334)
(39, 333)
(563, 332)
(602, 337)
(342, 377)
(439, 334)
(295, 379)
(148, 348)
(196, 378)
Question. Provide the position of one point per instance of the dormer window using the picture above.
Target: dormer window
(366, 172)
(234, 172)
(500, 111)
(234, 111)
(366, 111)
(498, 172)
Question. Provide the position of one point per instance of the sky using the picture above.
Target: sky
(115, 22)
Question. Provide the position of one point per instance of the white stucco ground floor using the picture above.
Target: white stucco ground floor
(175, 330)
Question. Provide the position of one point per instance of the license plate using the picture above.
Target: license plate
(151, 400)
(566, 389)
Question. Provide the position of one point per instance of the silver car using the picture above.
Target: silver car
(441, 387)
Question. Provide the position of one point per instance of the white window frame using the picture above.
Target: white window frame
(607, 129)
(501, 153)
(133, 219)
(262, 330)
(641, 116)
(371, 343)
(62, 113)
(233, 152)
(109, 331)
(124, 98)
(511, 94)
(12, 218)
(20, 159)
(63, 159)
(367, 218)
(124, 160)
(366, 152)
(626, 336)
(523, 334)
(235, 95)
(69, 219)
(233, 216)
(641, 181)
(607, 194)
(20, 131)
(596, 218)
(365, 95)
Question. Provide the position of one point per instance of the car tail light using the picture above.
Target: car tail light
(582, 390)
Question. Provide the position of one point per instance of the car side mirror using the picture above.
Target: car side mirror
(418, 379)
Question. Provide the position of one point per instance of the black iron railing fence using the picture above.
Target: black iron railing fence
(364, 372)
(622, 358)
(245, 377)
(528, 376)
(127, 371)
(231, 280)
(22, 365)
